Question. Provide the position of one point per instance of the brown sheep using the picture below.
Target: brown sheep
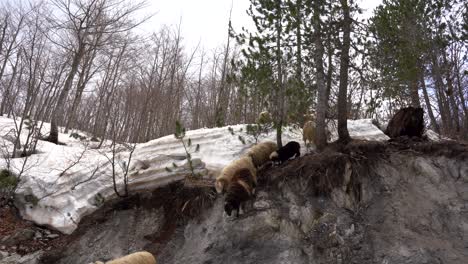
(260, 153)
(308, 133)
(226, 175)
(240, 190)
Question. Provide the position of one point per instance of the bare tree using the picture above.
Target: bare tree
(86, 22)
(343, 133)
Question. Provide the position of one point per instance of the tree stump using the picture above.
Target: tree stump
(406, 122)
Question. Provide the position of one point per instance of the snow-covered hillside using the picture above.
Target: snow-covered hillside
(61, 184)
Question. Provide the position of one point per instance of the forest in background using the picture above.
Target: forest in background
(80, 64)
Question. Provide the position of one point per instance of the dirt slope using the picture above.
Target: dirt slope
(399, 202)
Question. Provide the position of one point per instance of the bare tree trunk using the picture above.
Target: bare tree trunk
(280, 85)
(4, 26)
(110, 96)
(6, 96)
(320, 136)
(455, 110)
(461, 93)
(414, 93)
(299, 41)
(329, 74)
(343, 133)
(11, 45)
(220, 115)
(196, 112)
(451, 95)
(58, 112)
(84, 77)
(443, 107)
(428, 103)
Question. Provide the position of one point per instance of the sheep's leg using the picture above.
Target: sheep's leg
(242, 206)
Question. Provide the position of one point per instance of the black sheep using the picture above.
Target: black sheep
(292, 149)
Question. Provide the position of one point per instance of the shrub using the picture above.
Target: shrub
(180, 135)
(8, 183)
(7, 180)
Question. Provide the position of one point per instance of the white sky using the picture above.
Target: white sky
(206, 21)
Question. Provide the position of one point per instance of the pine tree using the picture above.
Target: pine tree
(263, 63)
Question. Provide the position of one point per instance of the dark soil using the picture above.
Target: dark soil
(324, 171)
(11, 223)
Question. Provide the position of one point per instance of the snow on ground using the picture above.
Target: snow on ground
(363, 129)
(62, 184)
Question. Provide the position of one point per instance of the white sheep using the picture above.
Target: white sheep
(260, 153)
(141, 257)
(308, 133)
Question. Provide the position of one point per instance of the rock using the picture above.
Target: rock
(350, 231)
(52, 236)
(37, 235)
(32, 258)
(5, 239)
(431, 135)
(138, 165)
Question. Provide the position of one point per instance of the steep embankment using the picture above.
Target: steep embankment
(368, 203)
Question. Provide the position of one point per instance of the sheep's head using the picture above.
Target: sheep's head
(274, 156)
(228, 208)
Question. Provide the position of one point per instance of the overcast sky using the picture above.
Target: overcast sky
(206, 21)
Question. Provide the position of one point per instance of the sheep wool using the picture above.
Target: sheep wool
(290, 150)
(308, 132)
(239, 191)
(260, 153)
(142, 257)
(226, 175)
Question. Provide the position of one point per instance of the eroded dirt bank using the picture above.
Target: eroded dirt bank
(400, 202)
